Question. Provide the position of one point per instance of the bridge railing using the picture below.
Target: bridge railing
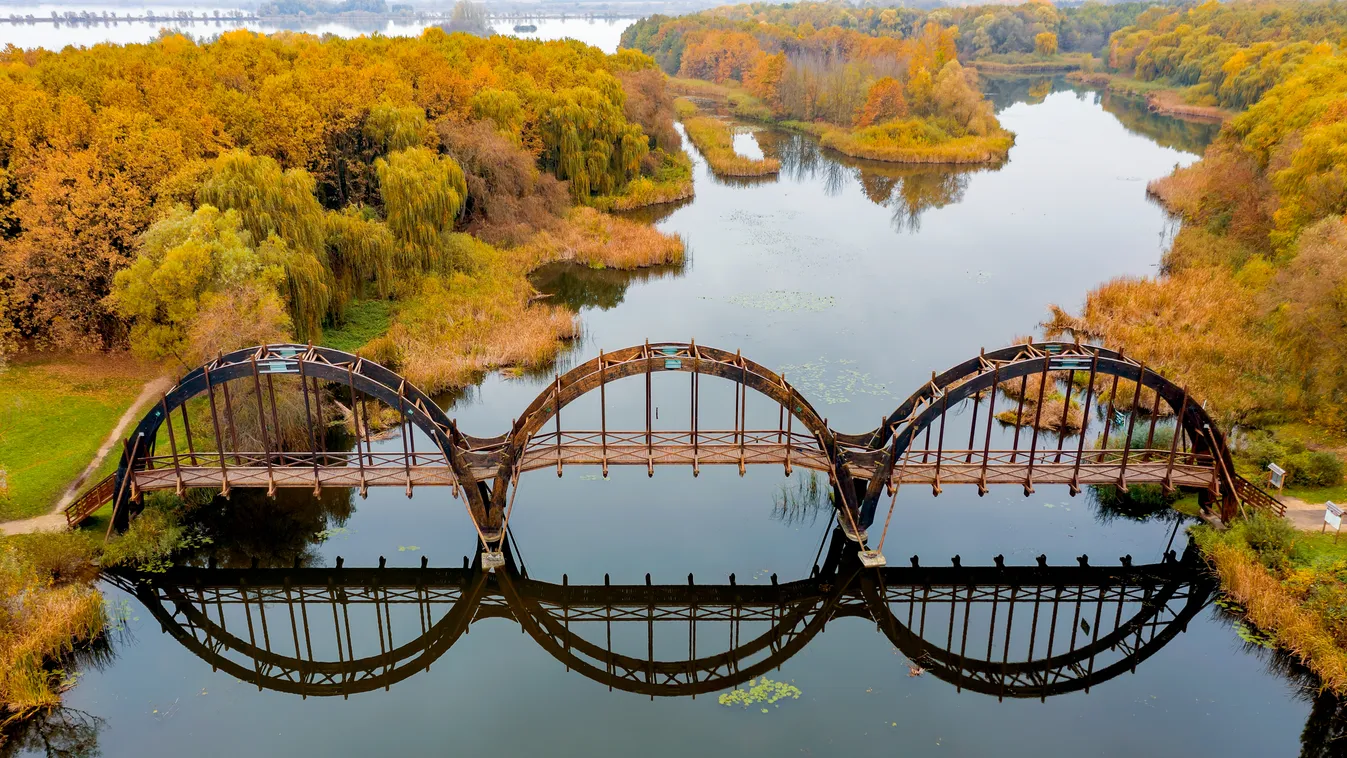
(87, 504)
(1256, 497)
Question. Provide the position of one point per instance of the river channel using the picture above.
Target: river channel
(857, 279)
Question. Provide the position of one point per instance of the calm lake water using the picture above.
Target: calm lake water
(602, 33)
(857, 279)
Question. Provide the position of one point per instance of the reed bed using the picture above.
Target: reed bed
(48, 606)
(715, 139)
(914, 141)
(599, 240)
(1275, 609)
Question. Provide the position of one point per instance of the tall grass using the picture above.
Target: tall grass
(919, 141)
(48, 606)
(1291, 587)
(599, 240)
(715, 139)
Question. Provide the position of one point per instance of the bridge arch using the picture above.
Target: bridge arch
(1166, 602)
(256, 368)
(928, 407)
(595, 374)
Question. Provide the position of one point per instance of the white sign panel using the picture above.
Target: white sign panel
(1277, 475)
(1333, 515)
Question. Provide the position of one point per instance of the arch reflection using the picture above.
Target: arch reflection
(1019, 632)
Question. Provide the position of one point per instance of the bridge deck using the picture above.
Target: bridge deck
(422, 469)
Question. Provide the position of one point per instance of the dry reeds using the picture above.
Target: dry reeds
(894, 142)
(1273, 609)
(599, 240)
(715, 139)
(42, 617)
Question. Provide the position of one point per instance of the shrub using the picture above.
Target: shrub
(1271, 538)
(1314, 468)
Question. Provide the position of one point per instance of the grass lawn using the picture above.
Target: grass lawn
(55, 411)
(365, 320)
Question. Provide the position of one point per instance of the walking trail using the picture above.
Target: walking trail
(55, 520)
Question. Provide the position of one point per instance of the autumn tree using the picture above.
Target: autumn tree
(1045, 43)
(884, 102)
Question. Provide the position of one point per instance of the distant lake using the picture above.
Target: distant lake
(602, 33)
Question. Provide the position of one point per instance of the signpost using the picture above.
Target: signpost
(1333, 518)
(1276, 476)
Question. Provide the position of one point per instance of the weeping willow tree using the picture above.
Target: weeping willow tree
(423, 194)
(392, 128)
(361, 250)
(587, 139)
(280, 210)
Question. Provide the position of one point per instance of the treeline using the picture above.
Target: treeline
(1251, 309)
(320, 7)
(1228, 54)
(188, 197)
(907, 98)
(978, 30)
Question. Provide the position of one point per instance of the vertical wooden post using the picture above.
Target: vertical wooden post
(406, 447)
(940, 443)
(172, 443)
(1019, 419)
(649, 438)
(276, 420)
(1084, 424)
(355, 419)
(1066, 414)
(556, 410)
(318, 409)
(233, 430)
(1038, 418)
(1174, 443)
(1155, 416)
(364, 415)
(790, 419)
(1131, 424)
(308, 424)
(603, 414)
(743, 408)
(1108, 419)
(696, 406)
(187, 430)
(215, 427)
(262, 425)
(973, 426)
(987, 439)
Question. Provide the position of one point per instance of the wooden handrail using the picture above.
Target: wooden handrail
(87, 504)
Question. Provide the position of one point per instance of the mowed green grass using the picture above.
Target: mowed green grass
(364, 320)
(54, 414)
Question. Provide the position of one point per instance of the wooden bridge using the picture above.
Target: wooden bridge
(1018, 632)
(1030, 414)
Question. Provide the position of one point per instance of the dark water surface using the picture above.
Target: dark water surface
(857, 279)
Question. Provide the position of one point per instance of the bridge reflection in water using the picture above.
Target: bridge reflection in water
(1019, 632)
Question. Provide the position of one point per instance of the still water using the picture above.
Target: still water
(856, 279)
(602, 33)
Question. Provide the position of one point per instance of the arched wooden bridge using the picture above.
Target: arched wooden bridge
(261, 418)
(1018, 632)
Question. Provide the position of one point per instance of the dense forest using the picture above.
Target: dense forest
(1256, 281)
(885, 97)
(188, 197)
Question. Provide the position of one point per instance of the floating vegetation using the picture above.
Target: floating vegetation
(785, 301)
(1253, 635)
(832, 382)
(408, 548)
(803, 501)
(327, 534)
(758, 691)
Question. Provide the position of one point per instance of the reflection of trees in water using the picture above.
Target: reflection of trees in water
(578, 287)
(1141, 502)
(274, 531)
(1167, 131)
(653, 214)
(906, 189)
(1005, 90)
(59, 733)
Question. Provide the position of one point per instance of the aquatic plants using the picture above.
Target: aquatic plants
(715, 139)
(758, 692)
